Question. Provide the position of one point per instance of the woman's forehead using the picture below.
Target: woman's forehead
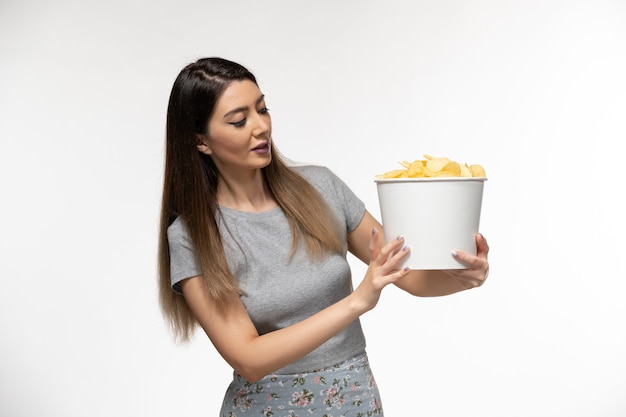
(239, 93)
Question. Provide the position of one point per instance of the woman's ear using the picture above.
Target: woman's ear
(202, 146)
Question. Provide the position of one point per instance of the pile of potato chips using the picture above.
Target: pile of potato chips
(434, 167)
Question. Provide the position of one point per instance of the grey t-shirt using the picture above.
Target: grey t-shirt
(278, 290)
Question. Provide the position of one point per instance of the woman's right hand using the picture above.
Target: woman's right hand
(382, 269)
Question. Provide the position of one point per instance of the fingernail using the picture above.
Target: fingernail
(455, 254)
(406, 268)
(405, 248)
(373, 231)
(400, 237)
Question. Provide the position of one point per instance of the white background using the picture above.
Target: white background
(533, 90)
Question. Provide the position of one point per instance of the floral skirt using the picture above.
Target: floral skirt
(347, 389)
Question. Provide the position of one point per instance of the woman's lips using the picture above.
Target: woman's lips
(262, 148)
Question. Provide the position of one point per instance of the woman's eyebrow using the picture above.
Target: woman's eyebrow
(243, 108)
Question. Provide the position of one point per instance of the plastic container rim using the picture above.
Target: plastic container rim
(429, 179)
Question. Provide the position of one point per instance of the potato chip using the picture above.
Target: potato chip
(465, 171)
(415, 169)
(477, 170)
(431, 167)
(437, 164)
(396, 173)
(451, 169)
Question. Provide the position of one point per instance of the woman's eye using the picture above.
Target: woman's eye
(240, 123)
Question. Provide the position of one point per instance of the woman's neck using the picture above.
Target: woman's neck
(251, 194)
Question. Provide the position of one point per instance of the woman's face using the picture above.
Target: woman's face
(239, 131)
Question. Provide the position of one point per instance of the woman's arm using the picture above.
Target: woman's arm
(428, 283)
(233, 334)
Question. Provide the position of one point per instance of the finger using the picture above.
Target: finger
(397, 260)
(474, 264)
(390, 249)
(463, 257)
(471, 261)
(396, 275)
(482, 247)
(374, 246)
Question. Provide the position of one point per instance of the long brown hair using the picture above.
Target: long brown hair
(190, 192)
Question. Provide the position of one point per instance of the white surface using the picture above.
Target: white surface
(534, 90)
(435, 216)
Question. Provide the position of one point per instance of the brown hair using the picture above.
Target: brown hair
(190, 186)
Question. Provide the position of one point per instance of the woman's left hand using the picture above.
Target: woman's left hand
(477, 266)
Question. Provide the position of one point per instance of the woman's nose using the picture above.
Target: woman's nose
(262, 124)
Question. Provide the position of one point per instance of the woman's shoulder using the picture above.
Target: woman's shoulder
(313, 173)
(322, 178)
(309, 168)
(177, 230)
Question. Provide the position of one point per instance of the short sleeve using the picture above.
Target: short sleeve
(337, 193)
(353, 206)
(183, 261)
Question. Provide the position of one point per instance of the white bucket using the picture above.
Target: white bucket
(435, 215)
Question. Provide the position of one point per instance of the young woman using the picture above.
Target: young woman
(253, 250)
